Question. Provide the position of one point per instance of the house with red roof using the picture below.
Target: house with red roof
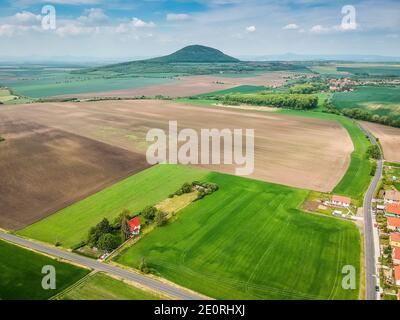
(395, 239)
(393, 224)
(397, 275)
(393, 210)
(134, 226)
(396, 255)
(341, 201)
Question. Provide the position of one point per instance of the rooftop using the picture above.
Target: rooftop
(393, 222)
(392, 195)
(341, 199)
(393, 208)
(394, 236)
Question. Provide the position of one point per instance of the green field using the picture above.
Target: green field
(21, 277)
(357, 178)
(70, 226)
(382, 101)
(248, 240)
(238, 89)
(102, 287)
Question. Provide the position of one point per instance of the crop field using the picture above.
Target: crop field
(382, 101)
(248, 240)
(21, 274)
(371, 70)
(44, 82)
(102, 287)
(44, 169)
(289, 150)
(389, 138)
(70, 226)
(193, 85)
(356, 179)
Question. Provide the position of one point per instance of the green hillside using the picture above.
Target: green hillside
(195, 54)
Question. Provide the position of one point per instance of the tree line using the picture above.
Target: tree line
(279, 100)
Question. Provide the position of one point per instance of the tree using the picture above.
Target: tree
(125, 231)
(186, 188)
(96, 232)
(122, 216)
(161, 218)
(143, 266)
(374, 152)
(149, 213)
(108, 242)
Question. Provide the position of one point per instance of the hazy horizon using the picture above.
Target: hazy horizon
(116, 30)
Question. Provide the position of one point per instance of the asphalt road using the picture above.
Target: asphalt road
(371, 242)
(161, 287)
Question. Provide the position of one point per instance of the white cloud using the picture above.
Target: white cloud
(178, 16)
(319, 29)
(136, 22)
(94, 15)
(251, 29)
(291, 26)
(26, 17)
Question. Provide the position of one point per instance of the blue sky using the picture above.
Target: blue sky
(120, 29)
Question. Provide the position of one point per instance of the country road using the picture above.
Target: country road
(153, 284)
(371, 240)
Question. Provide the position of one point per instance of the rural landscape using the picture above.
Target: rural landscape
(270, 178)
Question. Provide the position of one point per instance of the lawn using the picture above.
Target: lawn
(21, 277)
(357, 178)
(70, 226)
(102, 287)
(248, 240)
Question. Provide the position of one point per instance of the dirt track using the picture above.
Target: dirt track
(389, 138)
(296, 151)
(192, 85)
(43, 169)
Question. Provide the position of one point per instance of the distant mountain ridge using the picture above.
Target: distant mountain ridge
(196, 54)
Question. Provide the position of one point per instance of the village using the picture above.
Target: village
(387, 216)
(347, 84)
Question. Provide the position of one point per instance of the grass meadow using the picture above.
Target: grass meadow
(248, 240)
(102, 287)
(21, 274)
(70, 226)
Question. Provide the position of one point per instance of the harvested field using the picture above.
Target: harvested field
(192, 85)
(44, 169)
(389, 138)
(295, 151)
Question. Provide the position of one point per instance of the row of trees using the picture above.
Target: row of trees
(308, 88)
(361, 114)
(280, 100)
(203, 188)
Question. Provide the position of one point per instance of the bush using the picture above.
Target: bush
(373, 169)
(374, 152)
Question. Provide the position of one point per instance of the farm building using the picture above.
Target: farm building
(396, 255)
(393, 223)
(393, 210)
(395, 239)
(134, 226)
(392, 196)
(397, 275)
(341, 201)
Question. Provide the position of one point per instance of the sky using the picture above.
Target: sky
(116, 29)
